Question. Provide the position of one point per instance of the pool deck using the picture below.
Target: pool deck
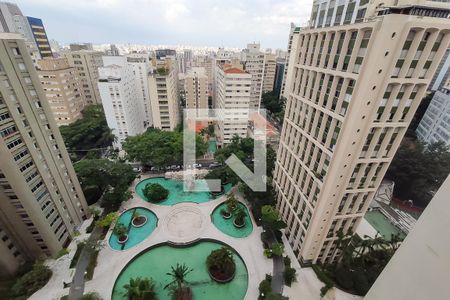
(182, 223)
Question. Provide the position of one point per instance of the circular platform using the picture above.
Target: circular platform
(184, 224)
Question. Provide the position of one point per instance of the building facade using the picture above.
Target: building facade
(351, 91)
(62, 89)
(164, 97)
(41, 201)
(435, 123)
(124, 111)
(233, 89)
(279, 75)
(254, 65)
(196, 89)
(270, 63)
(87, 62)
(442, 75)
(40, 37)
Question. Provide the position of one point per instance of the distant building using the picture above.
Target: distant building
(83, 46)
(442, 75)
(161, 53)
(254, 65)
(270, 62)
(196, 89)
(87, 62)
(279, 75)
(233, 101)
(117, 86)
(164, 97)
(435, 123)
(62, 89)
(40, 37)
(41, 201)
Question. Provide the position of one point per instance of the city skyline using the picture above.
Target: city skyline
(204, 23)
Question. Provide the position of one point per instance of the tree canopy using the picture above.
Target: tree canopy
(160, 148)
(274, 104)
(91, 132)
(419, 169)
(155, 192)
(98, 176)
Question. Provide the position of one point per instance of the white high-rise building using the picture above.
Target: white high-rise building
(419, 268)
(254, 65)
(351, 93)
(119, 94)
(233, 89)
(270, 63)
(140, 63)
(435, 123)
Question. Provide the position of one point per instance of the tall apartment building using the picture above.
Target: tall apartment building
(164, 97)
(351, 91)
(292, 30)
(87, 63)
(435, 123)
(206, 62)
(40, 37)
(233, 89)
(124, 110)
(279, 75)
(270, 63)
(41, 201)
(141, 65)
(428, 246)
(62, 89)
(196, 89)
(254, 65)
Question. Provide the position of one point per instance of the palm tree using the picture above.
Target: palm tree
(140, 289)
(178, 275)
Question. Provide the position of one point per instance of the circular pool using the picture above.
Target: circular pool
(157, 261)
(135, 234)
(226, 225)
(176, 191)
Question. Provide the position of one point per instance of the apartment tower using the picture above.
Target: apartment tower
(164, 98)
(270, 63)
(196, 88)
(124, 109)
(254, 65)
(62, 89)
(233, 89)
(41, 201)
(351, 91)
(87, 62)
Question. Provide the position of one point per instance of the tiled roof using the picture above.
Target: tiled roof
(234, 71)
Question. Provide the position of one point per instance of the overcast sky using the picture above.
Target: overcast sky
(229, 23)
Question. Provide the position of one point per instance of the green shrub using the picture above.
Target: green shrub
(360, 282)
(107, 220)
(289, 275)
(32, 281)
(91, 296)
(91, 266)
(155, 192)
(62, 252)
(324, 278)
(344, 278)
(265, 287)
(287, 261)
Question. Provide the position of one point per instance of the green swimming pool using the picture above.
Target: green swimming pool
(227, 227)
(156, 262)
(176, 192)
(135, 234)
(382, 224)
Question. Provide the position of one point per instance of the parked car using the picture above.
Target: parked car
(196, 165)
(154, 169)
(215, 164)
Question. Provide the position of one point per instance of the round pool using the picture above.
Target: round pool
(227, 227)
(135, 234)
(156, 262)
(176, 191)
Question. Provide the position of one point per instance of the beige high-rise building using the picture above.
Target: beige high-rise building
(41, 201)
(254, 65)
(62, 89)
(206, 62)
(164, 98)
(351, 91)
(270, 63)
(87, 62)
(196, 89)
